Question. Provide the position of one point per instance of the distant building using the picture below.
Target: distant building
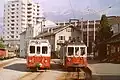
(18, 14)
(114, 21)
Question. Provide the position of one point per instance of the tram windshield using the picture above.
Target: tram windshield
(38, 49)
(44, 50)
(76, 51)
(32, 49)
(82, 50)
(70, 51)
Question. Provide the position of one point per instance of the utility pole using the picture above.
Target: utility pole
(88, 33)
(94, 29)
(82, 28)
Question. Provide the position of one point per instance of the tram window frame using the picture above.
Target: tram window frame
(82, 48)
(43, 51)
(32, 50)
(77, 52)
(38, 50)
(69, 51)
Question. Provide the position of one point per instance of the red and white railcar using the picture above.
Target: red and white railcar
(74, 55)
(39, 54)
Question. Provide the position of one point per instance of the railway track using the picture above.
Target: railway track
(31, 76)
(73, 74)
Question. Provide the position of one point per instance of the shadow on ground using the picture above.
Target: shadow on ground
(56, 67)
(106, 77)
(17, 67)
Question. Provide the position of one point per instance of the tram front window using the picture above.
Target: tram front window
(70, 51)
(44, 50)
(76, 51)
(38, 50)
(32, 49)
(82, 51)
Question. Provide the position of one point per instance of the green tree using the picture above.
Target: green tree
(2, 46)
(104, 31)
(103, 34)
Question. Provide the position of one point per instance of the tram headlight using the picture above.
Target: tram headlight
(69, 59)
(30, 60)
(46, 61)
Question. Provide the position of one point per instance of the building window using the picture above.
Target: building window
(29, 4)
(12, 32)
(38, 6)
(8, 28)
(17, 24)
(12, 16)
(12, 28)
(37, 13)
(13, 5)
(12, 24)
(17, 4)
(69, 30)
(16, 31)
(12, 12)
(7, 36)
(37, 9)
(12, 36)
(16, 36)
(8, 24)
(17, 16)
(13, 8)
(17, 28)
(61, 37)
(12, 20)
(8, 32)
(28, 16)
(112, 49)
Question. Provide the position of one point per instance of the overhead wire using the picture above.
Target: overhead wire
(71, 8)
(109, 7)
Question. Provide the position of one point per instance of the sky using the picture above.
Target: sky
(62, 9)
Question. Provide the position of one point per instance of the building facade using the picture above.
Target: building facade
(89, 29)
(59, 35)
(18, 14)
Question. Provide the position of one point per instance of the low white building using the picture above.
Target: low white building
(31, 32)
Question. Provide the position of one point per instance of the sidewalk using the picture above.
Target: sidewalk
(5, 62)
(104, 68)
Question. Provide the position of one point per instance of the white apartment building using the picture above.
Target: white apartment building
(18, 15)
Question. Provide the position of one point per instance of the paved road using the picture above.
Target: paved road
(105, 71)
(17, 69)
(13, 70)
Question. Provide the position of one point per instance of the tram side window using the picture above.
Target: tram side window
(70, 51)
(82, 51)
(32, 49)
(44, 50)
(76, 51)
(38, 50)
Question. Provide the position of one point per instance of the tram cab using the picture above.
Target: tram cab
(74, 55)
(38, 54)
